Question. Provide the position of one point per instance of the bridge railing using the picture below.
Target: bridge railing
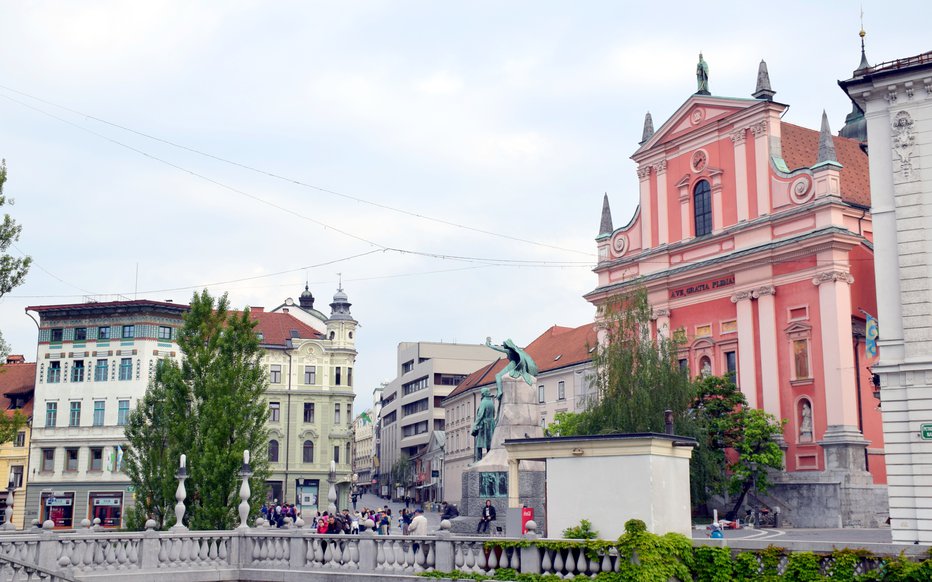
(264, 553)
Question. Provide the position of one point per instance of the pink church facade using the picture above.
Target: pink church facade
(753, 239)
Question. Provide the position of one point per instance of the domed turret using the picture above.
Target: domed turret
(340, 308)
(307, 298)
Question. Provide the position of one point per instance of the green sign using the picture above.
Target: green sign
(925, 431)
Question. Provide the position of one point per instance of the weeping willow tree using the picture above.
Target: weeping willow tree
(637, 375)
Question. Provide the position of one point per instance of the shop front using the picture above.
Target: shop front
(57, 506)
(106, 506)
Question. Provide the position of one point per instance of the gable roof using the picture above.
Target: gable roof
(17, 380)
(800, 147)
(556, 348)
(276, 328)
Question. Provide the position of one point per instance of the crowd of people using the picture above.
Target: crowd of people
(407, 522)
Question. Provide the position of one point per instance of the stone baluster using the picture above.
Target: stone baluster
(481, 562)
(458, 558)
(470, 561)
(180, 495)
(558, 563)
(442, 554)
(244, 492)
(582, 563)
(531, 562)
(399, 557)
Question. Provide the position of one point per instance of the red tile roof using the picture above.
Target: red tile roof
(17, 379)
(801, 150)
(558, 347)
(277, 327)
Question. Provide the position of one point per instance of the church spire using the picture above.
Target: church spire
(648, 128)
(826, 144)
(605, 226)
(763, 90)
(864, 64)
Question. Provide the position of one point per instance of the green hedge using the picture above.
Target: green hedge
(646, 557)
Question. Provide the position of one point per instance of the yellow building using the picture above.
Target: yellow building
(17, 384)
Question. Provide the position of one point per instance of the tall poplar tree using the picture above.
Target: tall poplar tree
(210, 408)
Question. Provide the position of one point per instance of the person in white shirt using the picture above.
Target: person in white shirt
(418, 525)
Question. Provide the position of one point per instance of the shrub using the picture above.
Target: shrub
(583, 531)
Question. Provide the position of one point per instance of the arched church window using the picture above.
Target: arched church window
(702, 208)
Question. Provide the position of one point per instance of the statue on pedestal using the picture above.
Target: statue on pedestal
(484, 425)
(520, 365)
(702, 77)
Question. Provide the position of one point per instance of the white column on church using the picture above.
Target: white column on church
(767, 326)
(837, 353)
(646, 210)
(663, 226)
(761, 155)
(747, 368)
(739, 138)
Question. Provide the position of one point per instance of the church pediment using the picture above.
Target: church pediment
(697, 112)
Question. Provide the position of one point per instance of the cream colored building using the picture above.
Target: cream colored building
(310, 397)
(564, 384)
(364, 443)
(17, 385)
(411, 410)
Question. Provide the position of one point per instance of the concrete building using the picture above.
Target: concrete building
(94, 361)
(427, 372)
(310, 397)
(364, 451)
(895, 100)
(17, 386)
(564, 359)
(753, 238)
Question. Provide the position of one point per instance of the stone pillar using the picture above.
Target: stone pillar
(443, 552)
(646, 209)
(367, 550)
(663, 226)
(149, 547)
(761, 161)
(739, 138)
(747, 356)
(530, 555)
(843, 442)
(662, 316)
(513, 494)
(769, 372)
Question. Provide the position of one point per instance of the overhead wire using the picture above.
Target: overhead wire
(294, 180)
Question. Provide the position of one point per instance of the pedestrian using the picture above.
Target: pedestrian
(354, 498)
(354, 523)
(407, 502)
(488, 516)
(449, 512)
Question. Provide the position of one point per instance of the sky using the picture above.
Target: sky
(248, 147)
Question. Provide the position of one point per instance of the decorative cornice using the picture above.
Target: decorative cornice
(832, 277)
(765, 290)
(658, 313)
(759, 129)
(741, 296)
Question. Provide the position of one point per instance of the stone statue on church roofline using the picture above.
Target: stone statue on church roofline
(702, 76)
(520, 365)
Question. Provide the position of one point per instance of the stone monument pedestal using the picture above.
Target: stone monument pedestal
(488, 477)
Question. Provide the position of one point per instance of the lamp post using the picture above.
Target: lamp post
(332, 490)
(244, 492)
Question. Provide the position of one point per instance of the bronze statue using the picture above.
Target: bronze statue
(484, 425)
(520, 365)
(702, 76)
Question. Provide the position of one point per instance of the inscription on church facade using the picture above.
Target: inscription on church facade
(702, 287)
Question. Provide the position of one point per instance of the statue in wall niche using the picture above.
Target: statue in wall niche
(484, 424)
(805, 422)
(520, 364)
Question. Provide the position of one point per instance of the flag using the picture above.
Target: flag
(110, 460)
(871, 333)
(365, 418)
(119, 459)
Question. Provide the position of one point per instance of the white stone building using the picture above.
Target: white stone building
(94, 362)
(896, 101)
(364, 451)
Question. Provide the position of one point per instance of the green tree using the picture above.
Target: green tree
(716, 429)
(12, 274)
(212, 408)
(637, 376)
(758, 453)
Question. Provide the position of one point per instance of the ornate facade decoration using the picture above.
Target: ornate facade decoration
(759, 129)
(661, 312)
(832, 277)
(739, 136)
(660, 167)
(741, 296)
(644, 172)
(904, 147)
(699, 160)
(801, 189)
(765, 290)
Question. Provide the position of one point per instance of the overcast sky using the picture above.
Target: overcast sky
(508, 117)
